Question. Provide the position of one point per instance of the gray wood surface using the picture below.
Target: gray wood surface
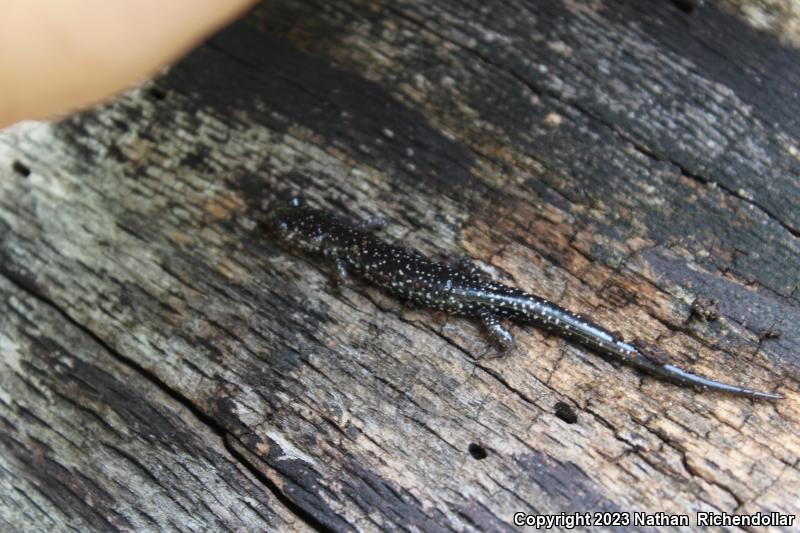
(166, 366)
(92, 444)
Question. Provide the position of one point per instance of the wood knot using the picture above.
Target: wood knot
(770, 332)
(705, 308)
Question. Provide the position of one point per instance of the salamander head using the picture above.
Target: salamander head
(298, 226)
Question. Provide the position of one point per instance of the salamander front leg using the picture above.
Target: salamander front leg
(340, 275)
(498, 334)
(464, 264)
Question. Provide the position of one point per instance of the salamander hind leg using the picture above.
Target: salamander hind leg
(373, 224)
(498, 334)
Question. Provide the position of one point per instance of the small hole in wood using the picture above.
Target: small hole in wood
(687, 6)
(566, 413)
(477, 451)
(157, 93)
(21, 169)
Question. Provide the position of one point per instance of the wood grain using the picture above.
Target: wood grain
(624, 159)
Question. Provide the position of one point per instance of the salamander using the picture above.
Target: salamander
(460, 288)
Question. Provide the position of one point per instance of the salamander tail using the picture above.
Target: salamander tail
(679, 376)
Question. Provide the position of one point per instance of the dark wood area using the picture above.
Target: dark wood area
(164, 365)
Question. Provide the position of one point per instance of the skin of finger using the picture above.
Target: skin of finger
(57, 56)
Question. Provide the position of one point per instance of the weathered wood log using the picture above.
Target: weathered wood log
(90, 444)
(626, 159)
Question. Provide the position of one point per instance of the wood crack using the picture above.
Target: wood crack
(594, 116)
(210, 423)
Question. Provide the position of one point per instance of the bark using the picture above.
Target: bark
(92, 442)
(629, 160)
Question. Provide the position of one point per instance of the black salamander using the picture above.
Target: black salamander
(461, 288)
